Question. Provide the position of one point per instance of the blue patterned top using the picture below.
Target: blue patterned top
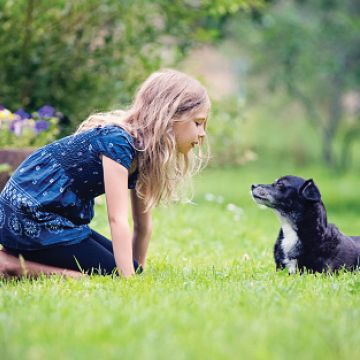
(50, 197)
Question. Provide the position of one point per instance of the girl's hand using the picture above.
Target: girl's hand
(138, 268)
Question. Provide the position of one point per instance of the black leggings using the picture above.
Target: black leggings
(92, 255)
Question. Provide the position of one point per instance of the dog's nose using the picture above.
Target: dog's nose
(253, 186)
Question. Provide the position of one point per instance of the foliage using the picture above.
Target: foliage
(4, 168)
(310, 49)
(226, 137)
(84, 56)
(21, 129)
(210, 288)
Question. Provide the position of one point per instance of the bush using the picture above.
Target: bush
(226, 133)
(89, 55)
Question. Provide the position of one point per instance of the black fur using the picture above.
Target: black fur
(306, 240)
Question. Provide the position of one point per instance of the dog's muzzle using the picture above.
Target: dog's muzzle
(258, 191)
(261, 195)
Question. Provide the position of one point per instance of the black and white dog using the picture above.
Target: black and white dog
(306, 240)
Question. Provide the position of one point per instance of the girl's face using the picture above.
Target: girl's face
(189, 132)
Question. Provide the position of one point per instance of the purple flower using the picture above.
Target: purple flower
(41, 125)
(2, 107)
(46, 111)
(16, 126)
(23, 114)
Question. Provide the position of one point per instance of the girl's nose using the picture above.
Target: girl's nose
(202, 131)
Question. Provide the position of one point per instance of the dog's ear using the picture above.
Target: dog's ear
(310, 191)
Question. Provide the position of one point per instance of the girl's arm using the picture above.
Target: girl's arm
(142, 228)
(116, 192)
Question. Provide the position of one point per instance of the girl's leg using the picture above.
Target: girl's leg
(13, 266)
(91, 254)
(88, 256)
(102, 240)
(107, 244)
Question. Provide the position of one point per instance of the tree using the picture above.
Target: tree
(312, 49)
(87, 55)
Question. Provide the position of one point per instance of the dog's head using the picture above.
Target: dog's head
(288, 195)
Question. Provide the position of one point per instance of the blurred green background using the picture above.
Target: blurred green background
(283, 75)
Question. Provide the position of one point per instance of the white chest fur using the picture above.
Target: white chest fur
(289, 244)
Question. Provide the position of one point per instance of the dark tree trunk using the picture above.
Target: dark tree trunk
(327, 149)
(12, 157)
(334, 118)
(25, 61)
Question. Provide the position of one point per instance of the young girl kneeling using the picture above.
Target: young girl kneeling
(47, 205)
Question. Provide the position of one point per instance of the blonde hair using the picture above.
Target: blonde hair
(165, 97)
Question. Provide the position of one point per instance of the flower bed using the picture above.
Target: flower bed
(21, 133)
(21, 129)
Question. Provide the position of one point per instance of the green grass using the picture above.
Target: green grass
(210, 290)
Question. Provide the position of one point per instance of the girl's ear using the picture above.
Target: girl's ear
(309, 191)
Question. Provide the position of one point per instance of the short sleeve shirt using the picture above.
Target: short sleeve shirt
(50, 197)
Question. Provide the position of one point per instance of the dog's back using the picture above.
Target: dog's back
(348, 253)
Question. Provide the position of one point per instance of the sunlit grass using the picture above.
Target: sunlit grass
(210, 290)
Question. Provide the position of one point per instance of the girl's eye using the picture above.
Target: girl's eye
(197, 123)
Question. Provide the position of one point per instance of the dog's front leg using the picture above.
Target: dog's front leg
(291, 265)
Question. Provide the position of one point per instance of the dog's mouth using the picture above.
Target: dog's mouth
(258, 197)
(262, 200)
(262, 197)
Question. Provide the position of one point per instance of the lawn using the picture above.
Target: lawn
(210, 290)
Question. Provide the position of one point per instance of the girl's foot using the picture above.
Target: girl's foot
(9, 265)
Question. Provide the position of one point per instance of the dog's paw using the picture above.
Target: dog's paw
(291, 265)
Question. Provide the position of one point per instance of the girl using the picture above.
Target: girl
(47, 205)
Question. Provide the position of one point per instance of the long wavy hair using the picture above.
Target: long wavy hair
(165, 97)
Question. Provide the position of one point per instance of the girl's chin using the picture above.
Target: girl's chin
(185, 152)
(184, 149)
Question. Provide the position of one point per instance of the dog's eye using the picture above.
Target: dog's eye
(280, 185)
